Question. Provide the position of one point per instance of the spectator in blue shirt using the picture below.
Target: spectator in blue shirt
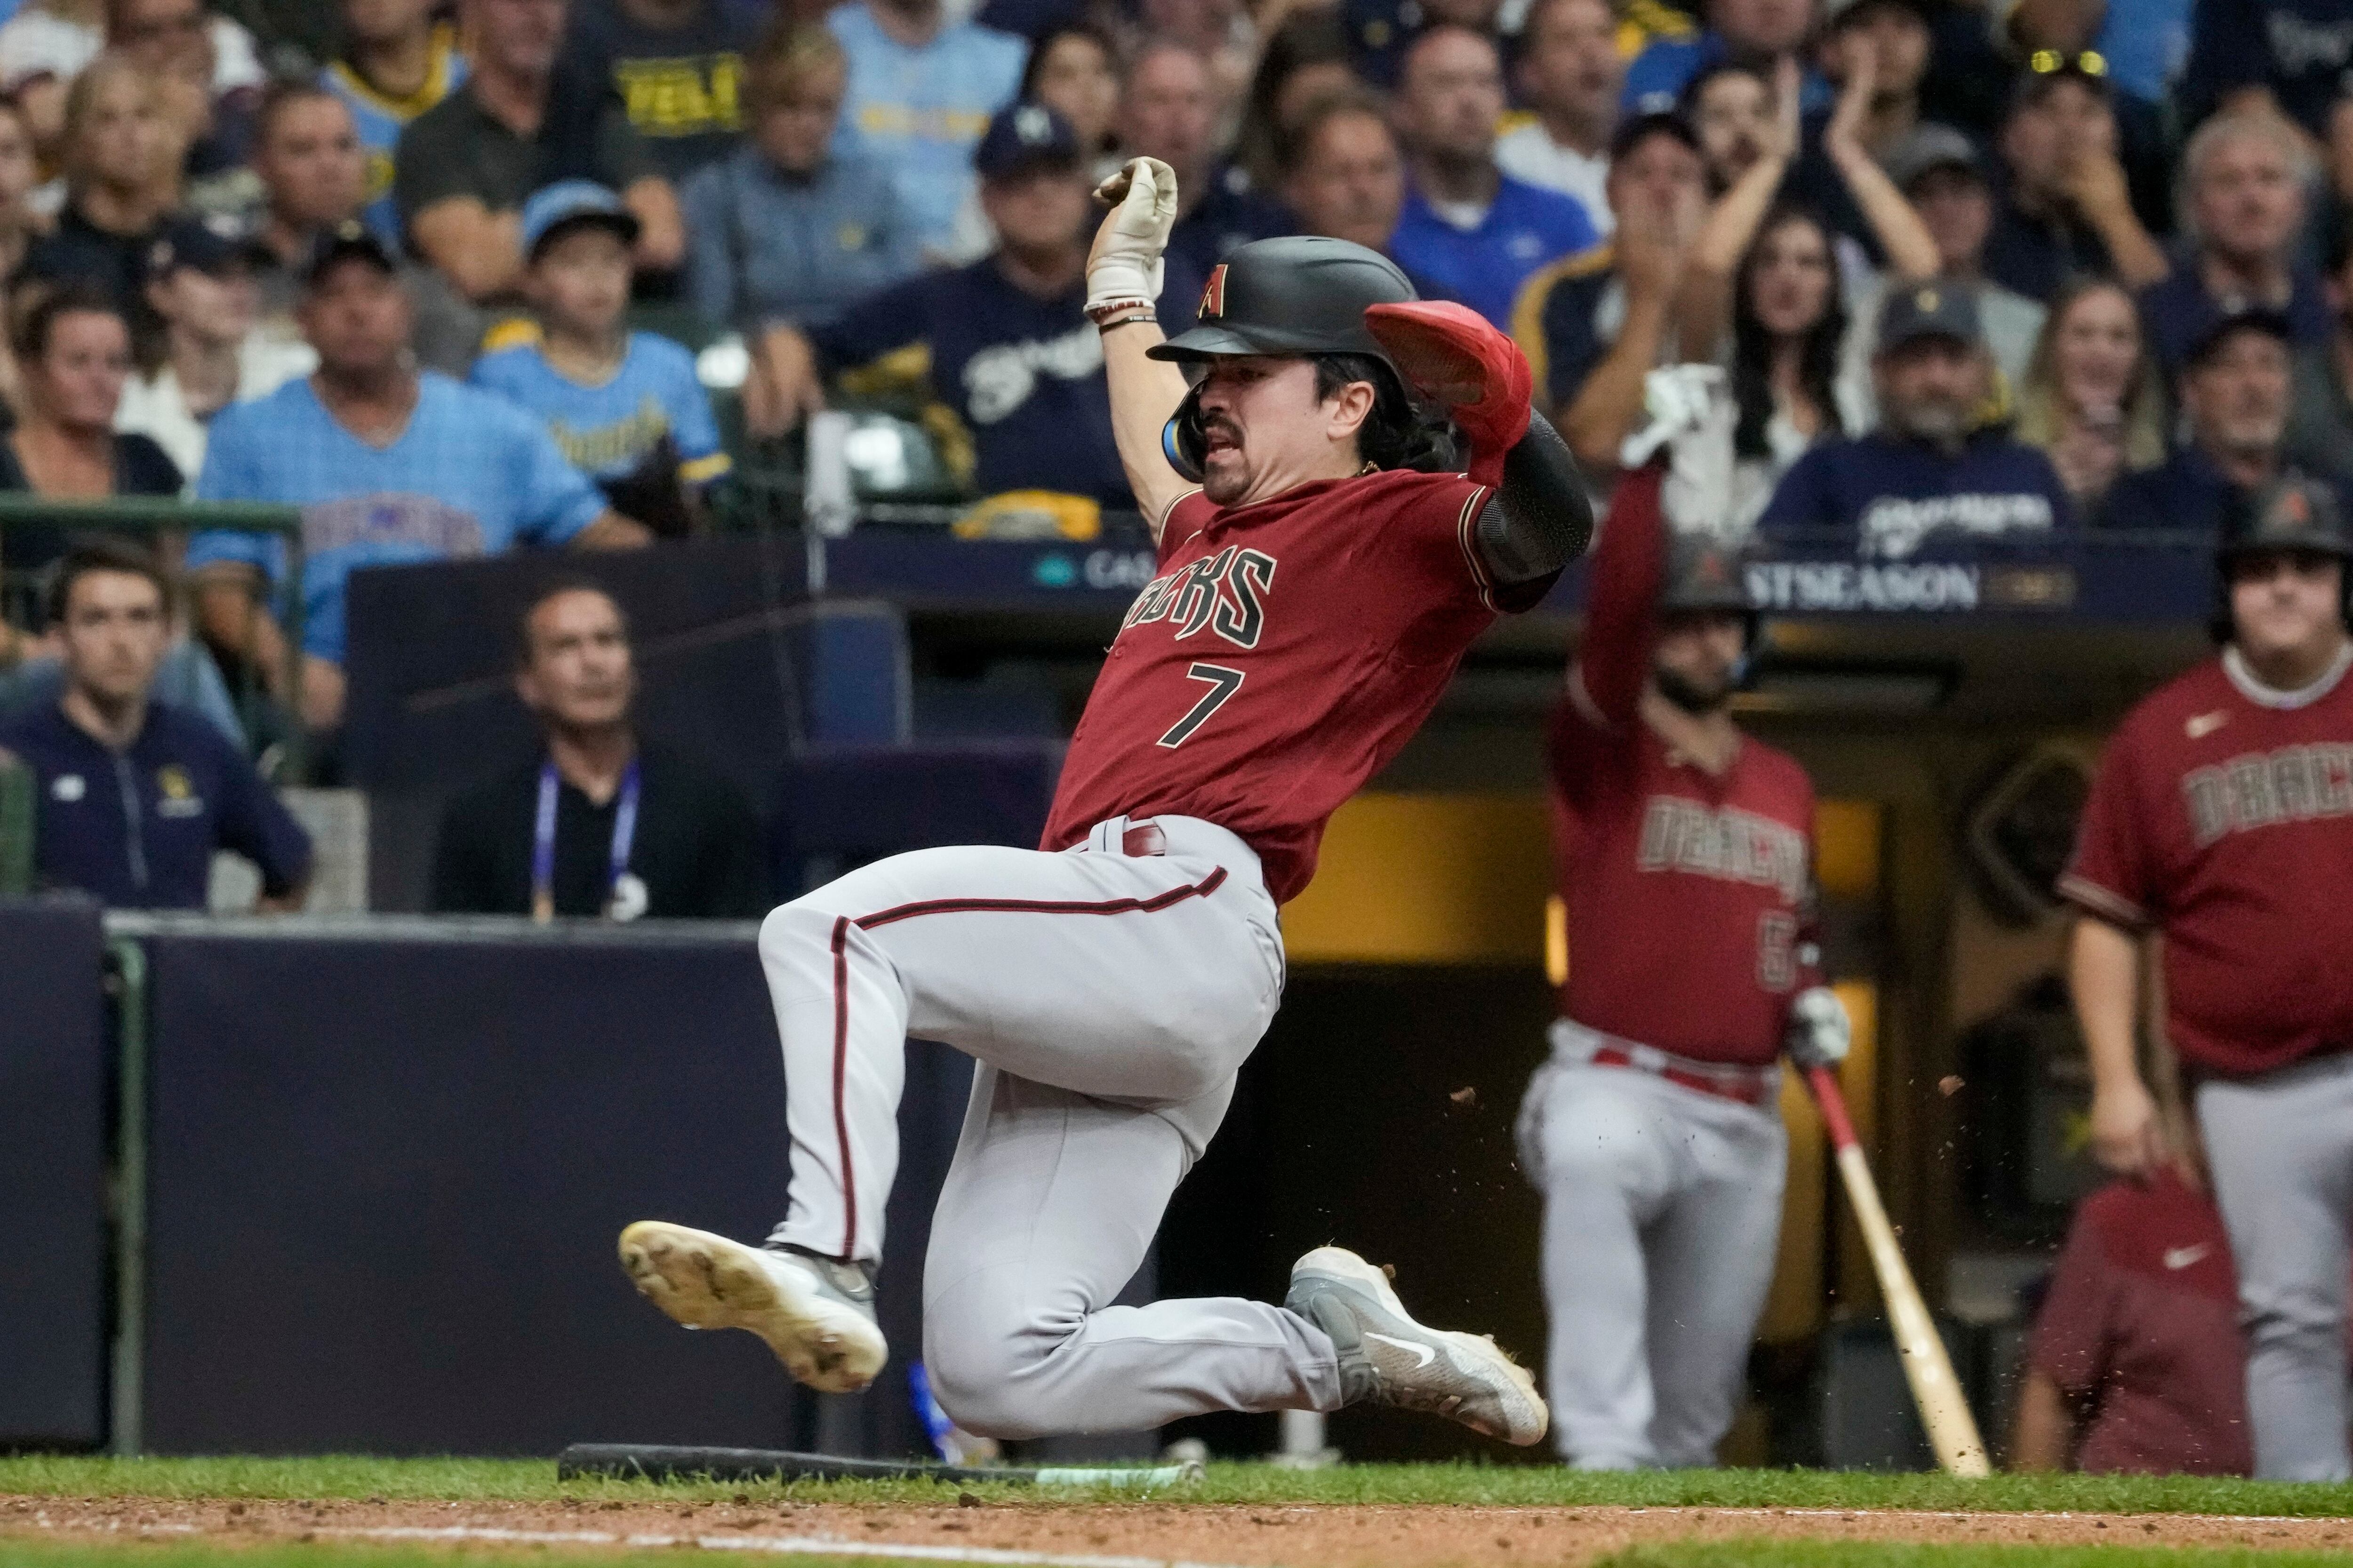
(1755, 32)
(390, 465)
(2244, 175)
(2233, 393)
(133, 794)
(922, 89)
(625, 406)
(1012, 353)
(399, 58)
(1169, 111)
(1468, 226)
(788, 228)
(1928, 479)
(2288, 56)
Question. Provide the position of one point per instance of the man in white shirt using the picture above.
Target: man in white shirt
(1569, 75)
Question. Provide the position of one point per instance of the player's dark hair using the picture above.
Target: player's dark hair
(555, 587)
(1398, 433)
(89, 556)
(1753, 344)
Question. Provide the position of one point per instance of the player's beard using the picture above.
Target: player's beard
(1694, 698)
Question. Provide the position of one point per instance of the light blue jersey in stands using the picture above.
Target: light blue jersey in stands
(381, 117)
(608, 429)
(922, 110)
(472, 474)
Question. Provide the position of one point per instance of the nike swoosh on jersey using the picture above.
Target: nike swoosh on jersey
(1426, 1354)
(2201, 725)
(2183, 1257)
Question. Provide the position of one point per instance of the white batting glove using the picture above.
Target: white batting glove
(1677, 400)
(1126, 266)
(1818, 1032)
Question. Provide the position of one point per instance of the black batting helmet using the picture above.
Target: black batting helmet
(2290, 514)
(1704, 574)
(1296, 297)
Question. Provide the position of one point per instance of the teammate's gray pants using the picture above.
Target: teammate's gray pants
(1110, 999)
(1663, 1211)
(2281, 1150)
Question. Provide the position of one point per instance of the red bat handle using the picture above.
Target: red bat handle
(1825, 1085)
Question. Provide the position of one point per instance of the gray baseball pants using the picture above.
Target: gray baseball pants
(2281, 1150)
(1661, 1217)
(1109, 998)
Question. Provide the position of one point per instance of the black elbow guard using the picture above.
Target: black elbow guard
(1541, 519)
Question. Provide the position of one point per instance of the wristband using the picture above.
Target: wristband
(1119, 312)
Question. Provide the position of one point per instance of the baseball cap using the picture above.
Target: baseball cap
(568, 203)
(350, 238)
(1941, 309)
(1636, 129)
(1933, 146)
(1024, 136)
(188, 243)
(2270, 322)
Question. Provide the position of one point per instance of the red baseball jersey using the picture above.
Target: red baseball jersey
(1690, 895)
(2141, 1325)
(2222, 815)
(1286, 651)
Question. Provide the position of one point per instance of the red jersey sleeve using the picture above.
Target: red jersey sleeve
(2109, 874)
(1188, 514)
(1590, 723)
(2072, 1333)
(1622, 599)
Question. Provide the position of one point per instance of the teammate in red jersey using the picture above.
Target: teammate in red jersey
(1323, 568)
(2221, 819)
(1684, 857)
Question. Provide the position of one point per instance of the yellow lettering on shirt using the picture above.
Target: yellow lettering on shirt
(607, 446)
(692, 96)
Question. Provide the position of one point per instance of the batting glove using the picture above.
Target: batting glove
(1454, 357)
(1126, 266)
(1818, 1034)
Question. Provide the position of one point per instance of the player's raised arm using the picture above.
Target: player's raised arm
(1123, 277)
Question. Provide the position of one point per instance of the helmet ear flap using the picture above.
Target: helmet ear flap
(1183, 441)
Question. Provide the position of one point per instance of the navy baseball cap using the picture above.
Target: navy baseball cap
(350, 239)
(567, 204)
(1026, 136)
(1636, 129)
(188, 243)
(2271, 324)
(1938, 309)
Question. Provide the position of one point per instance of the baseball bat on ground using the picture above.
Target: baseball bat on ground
(1944, 1412)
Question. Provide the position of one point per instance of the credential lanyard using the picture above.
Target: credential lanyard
(543, 839)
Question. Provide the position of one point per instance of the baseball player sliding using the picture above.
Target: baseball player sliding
(1323, 565)
(2221, 818)
(1684, 857)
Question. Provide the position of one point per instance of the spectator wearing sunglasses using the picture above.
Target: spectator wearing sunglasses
(2068, 210)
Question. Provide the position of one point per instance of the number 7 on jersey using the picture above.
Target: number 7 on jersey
(1223, 683)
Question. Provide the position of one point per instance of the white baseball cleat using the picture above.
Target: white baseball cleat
(818, 1315)
(1387, 1358)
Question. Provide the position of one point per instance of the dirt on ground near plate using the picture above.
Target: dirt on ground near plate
(1261, 1537)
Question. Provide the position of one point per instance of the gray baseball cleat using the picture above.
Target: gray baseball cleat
(1387, 1358)
(817, 1314)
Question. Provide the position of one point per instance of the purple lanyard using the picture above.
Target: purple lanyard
(543, 839)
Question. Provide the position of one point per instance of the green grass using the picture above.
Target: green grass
(2020, 1555)
(1510, 1486)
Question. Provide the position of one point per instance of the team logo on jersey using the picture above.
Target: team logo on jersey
(1225, 594)
(1213, 293)
(2294, 784)
(1681, 835)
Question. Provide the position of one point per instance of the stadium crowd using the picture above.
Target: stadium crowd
(1975, 272)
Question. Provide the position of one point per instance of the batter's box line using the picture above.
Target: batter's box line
(778, 1545)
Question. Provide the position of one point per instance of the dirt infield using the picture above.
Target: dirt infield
(1259, 1537)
